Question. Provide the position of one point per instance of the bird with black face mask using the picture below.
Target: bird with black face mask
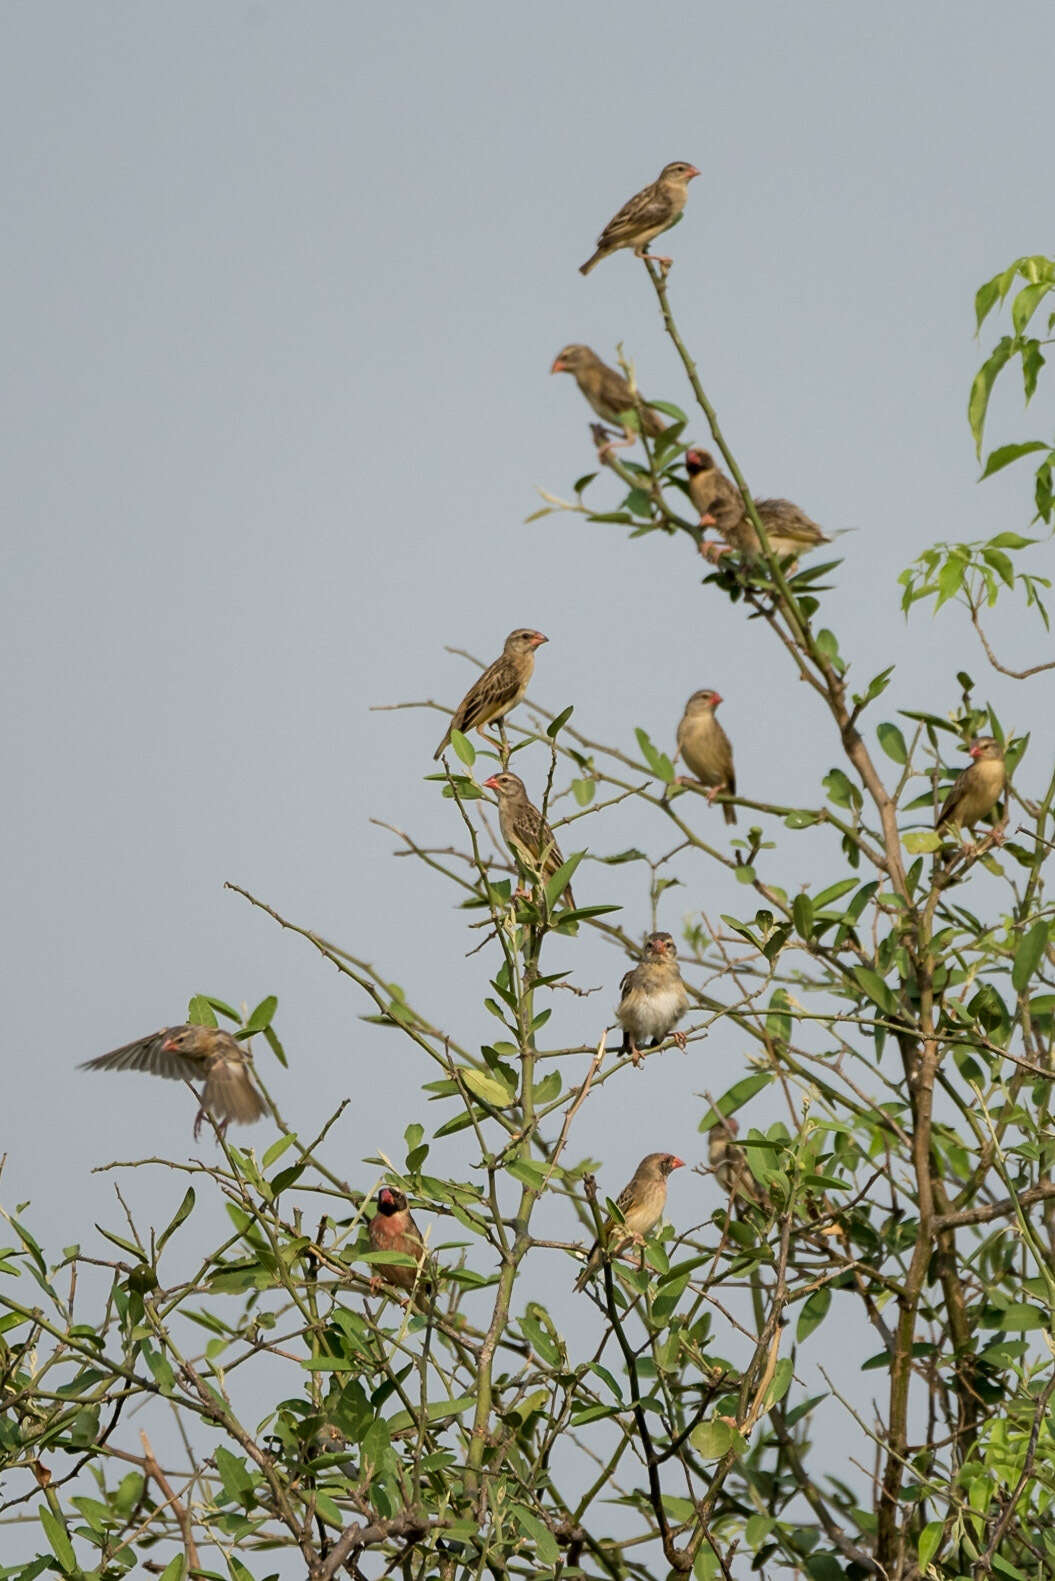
(392, 1229)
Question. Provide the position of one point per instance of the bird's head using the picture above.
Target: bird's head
(190, 1040)
(668, 1163)
(697, 461)
(985, 748)
(390, 1201)
(572, 357)
(705, 700)
(524, 640)
(660, 947)
(678, 170)
(506, 785)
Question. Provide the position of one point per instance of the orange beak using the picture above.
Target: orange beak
(679, 1163)
(491, 784)
(558, 366)
(538, 639)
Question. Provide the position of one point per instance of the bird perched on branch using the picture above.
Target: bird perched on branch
(194, 1053)
(526, 833)
(641, 1203)
(978, 789)
(392, 1229)
(608, 393)
(706, 748)
(789, 530)
(498, 689)
(646, 215)
(729, 1163)
(653, 998)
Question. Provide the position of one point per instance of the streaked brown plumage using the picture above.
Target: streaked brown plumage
(646, 215)
(392, 1229)
(729, 1163)
(193, 1053)
(607, 391)
(789, 530)
(526, 833)
(653, 998)
(978, 789)
(499, 688)
(641, 1202)
(706, 748)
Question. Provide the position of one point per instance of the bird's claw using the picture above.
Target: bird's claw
(713, 551)
(680, 1039)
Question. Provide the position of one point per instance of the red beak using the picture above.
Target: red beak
(558, 366)
(716, 698)
(691, 172)
(491, 783)
(538, 639)
(679, 1163)
(707, 520)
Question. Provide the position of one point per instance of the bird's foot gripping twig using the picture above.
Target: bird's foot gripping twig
(681, 1040)
(712, 551)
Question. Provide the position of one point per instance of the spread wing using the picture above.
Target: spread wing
(147, 1054)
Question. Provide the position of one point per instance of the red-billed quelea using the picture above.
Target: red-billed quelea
(646, 215)
(653, 998)
(641, 1203)
(526, 833)
(706, 748)
(498, 689)
(607, 391)
(978, 789)
(392, 1229)
(789, 530)
(193, 1053)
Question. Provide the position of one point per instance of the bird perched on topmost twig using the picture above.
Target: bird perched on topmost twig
(646, 215)
(526, 833)
(608, 393)
(392, 1229)
(194, 1053)
(978, 789)
(789, 530)
(498, 689)
(653, 998)
(641, 1202)
(706, 748)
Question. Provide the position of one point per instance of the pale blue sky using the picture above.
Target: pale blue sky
(283, 287)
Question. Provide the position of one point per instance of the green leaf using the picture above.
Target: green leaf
(263, 1015)
(669, 410)
(929, 1541)
(486, 1086)
(184, 1210)
(1002, 457)
(200, 1012)
(556, 885)
(59, 1540)
(583, 791)
(545, 1543)
(876, 989)
(780, 1382)
(814, 1311)
(917, 840)
(463, 748)
(1026, 303)
(981, 389)
(1018, 1318)
(840, 790)
(555, 726)
(436, 1411)
(658, 762)
(277, 1149)
(711, 1440)
(892, 742)
(802, 916)
(1029, 955)
(738, 1094)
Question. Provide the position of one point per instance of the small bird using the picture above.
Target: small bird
(706, 748)
(392, 1229)
(729, 1163)
(646, 215)
(193, 1053)
(608, 393)
(641, 1202)
(653, 998)
(789, 530)
(978, 789)
(498, 689)
(526, 833)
